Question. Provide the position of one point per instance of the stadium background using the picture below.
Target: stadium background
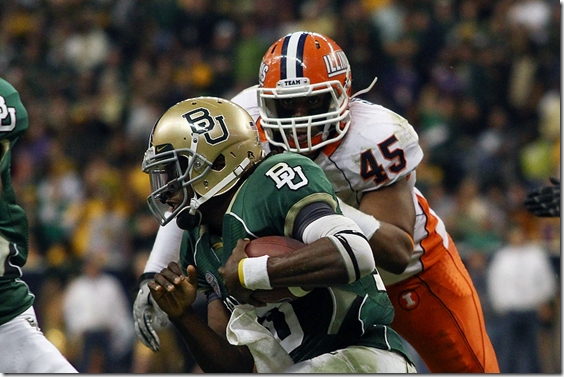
(478, 79)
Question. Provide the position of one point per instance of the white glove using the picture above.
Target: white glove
(148, 317)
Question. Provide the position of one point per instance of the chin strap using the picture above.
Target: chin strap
(194, 205)
(190, 220)
(365, 90)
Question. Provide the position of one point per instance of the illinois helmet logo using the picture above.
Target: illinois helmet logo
(336, 63)
(262, 73)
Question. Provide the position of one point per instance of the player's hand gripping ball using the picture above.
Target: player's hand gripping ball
(275, 246)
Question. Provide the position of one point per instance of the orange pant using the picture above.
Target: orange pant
(439, 313)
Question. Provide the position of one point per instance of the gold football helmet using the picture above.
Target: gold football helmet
(205, 143)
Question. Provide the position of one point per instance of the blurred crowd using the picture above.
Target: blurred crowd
(478, 79)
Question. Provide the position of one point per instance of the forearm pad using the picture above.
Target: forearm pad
(349, 240)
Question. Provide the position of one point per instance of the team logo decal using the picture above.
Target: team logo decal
(201, 122)
(283, 174)
(409, 300)
(212, 280)
(336, 63)
(262, 73)
(7, 116)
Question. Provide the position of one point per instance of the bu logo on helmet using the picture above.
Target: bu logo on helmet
(336, 63)
(201, 122)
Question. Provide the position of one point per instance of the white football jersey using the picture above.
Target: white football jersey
(379, 148)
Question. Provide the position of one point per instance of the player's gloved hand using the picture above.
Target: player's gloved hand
(545, 201)
(148, 317)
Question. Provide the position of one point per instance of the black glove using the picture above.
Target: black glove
(545, 201)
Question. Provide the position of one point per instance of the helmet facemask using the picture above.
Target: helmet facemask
(201, 146)
(321, 126)
(301, 65)
(169, 172)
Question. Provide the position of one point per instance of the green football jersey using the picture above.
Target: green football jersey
(324, 320)
(15, 296)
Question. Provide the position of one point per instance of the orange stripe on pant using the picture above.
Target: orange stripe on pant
(439, 313)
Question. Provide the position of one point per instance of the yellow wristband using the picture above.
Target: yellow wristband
(240, 273)
(253, 273)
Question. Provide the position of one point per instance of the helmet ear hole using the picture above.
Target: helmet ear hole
(183, 161)
(219, 163)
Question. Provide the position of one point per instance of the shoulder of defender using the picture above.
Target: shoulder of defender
(289, 158)
(376, 122)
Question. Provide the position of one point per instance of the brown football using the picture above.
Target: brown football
(275, 246)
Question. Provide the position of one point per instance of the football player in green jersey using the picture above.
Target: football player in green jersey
(207, 171)
(23, 347)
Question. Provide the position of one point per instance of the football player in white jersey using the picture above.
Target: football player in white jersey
(303, 104)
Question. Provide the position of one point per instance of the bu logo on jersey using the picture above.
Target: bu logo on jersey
(336, 63)
(7, 113)
(409, 300)
(283, 174)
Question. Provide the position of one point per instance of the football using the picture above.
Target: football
(275, 246)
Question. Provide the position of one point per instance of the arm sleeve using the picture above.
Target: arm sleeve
(166, 247)
(367, 223)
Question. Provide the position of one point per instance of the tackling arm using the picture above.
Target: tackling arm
(392, 243)
(166, 247)
(145, 313)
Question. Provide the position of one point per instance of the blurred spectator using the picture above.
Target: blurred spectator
(248, 54)
(520, 284)
(103, 231)
(533, 15)
(492, 158)
(478, 220)
(87, 46)
(220, 55)
(59, 191)
(362, 41)
(99, 321)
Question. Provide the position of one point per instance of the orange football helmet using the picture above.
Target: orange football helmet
(304, 92)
